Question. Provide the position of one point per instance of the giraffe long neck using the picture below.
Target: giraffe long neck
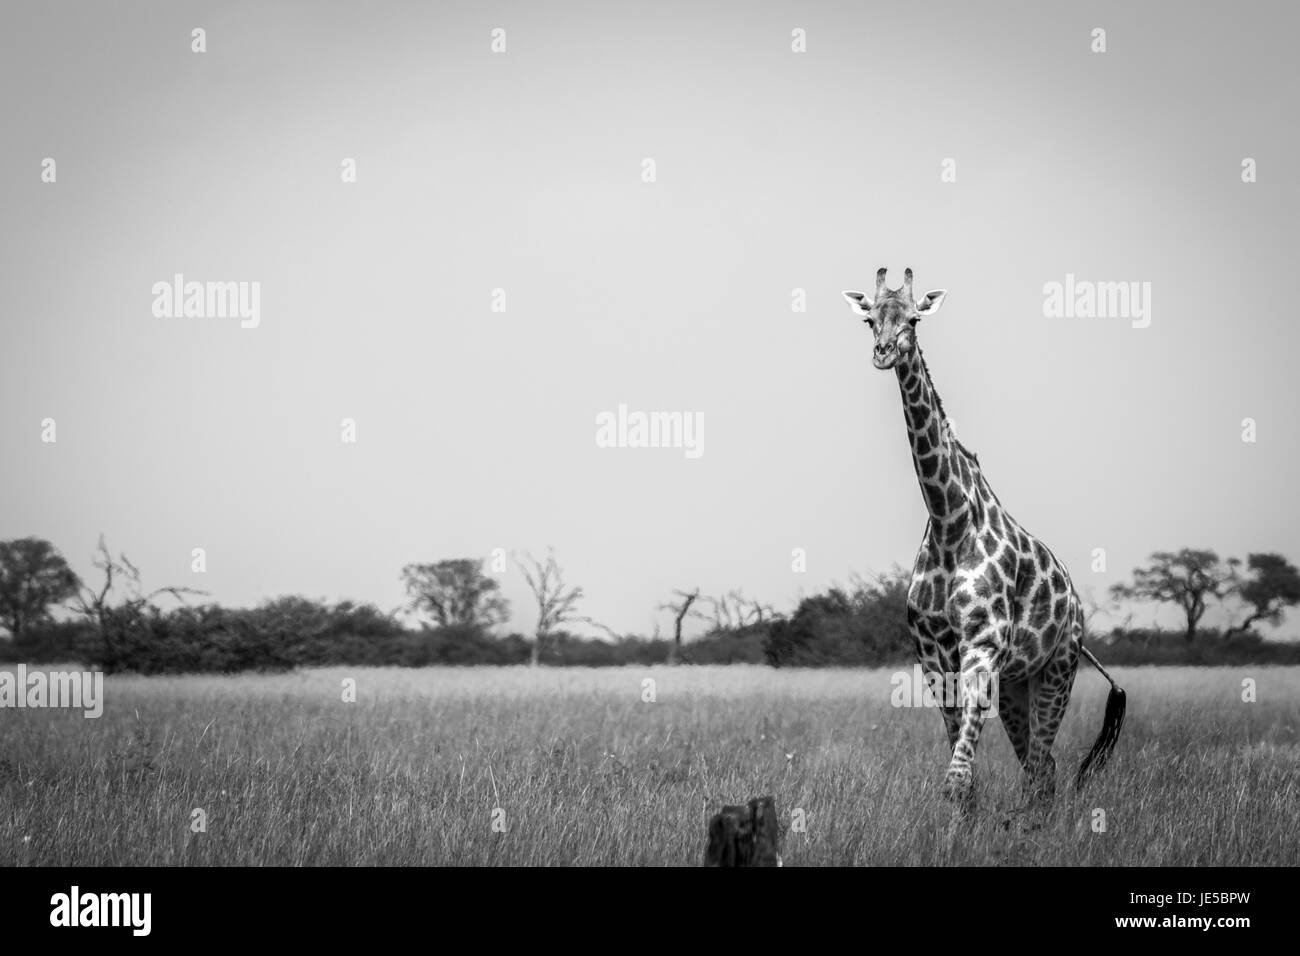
(945, 476)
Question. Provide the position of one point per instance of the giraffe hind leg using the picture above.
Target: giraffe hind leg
(1049, 695)
(1013, 709)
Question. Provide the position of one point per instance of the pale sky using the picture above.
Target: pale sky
(523, 171)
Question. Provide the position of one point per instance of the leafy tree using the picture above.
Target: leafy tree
(1273, 585)
(866, 625)
(881, 605)
(807, 638)
(33, 576)
(1188, 578)
(455, 593)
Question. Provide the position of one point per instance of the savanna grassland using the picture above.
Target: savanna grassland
(587, 772)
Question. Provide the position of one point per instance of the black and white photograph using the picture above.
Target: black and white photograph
(629, 435)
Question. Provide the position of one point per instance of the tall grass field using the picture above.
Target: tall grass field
(612, 767)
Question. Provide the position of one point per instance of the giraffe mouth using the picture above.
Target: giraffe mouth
(885, 360)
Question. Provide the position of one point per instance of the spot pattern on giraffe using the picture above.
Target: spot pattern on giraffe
(987, 600)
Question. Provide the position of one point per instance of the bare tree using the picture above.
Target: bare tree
(116, 623)
(681, 608)
(613, 634)
(1091, 607)
(733, 610)
(556, 603)
(718, 612)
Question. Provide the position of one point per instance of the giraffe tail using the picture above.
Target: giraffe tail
(1114, 720)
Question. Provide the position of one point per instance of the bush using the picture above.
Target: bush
(865, 628)
(52, 642)
(566, 650)
(741, 645)
(1209, 649)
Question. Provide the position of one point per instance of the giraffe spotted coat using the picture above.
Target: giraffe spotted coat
(987, 601)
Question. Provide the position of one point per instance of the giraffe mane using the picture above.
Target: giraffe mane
(966, 451)
(925, 369)
(938, 403)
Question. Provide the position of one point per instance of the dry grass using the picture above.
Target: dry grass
(588, 773)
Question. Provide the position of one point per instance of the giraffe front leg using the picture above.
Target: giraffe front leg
(946, 665)
(937, 662)
(982, 648)
(976, 686)
(951, 725)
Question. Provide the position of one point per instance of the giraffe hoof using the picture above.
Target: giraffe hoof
(1022, 819)
(958, 789)
(1042, 797)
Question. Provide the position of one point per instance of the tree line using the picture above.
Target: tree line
(455, 609)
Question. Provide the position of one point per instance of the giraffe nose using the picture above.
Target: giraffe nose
(883, 349)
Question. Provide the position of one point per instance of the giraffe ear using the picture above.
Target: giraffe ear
(858, 302)
(930, 304)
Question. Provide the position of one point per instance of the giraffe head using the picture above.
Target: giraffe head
(892, 316)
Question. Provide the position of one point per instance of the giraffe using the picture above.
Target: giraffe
(988, 603)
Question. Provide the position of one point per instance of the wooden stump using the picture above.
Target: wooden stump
(745, 836)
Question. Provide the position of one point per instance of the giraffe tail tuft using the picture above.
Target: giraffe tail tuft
(1116, 702)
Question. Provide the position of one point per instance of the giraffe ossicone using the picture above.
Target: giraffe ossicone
(987, 600)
